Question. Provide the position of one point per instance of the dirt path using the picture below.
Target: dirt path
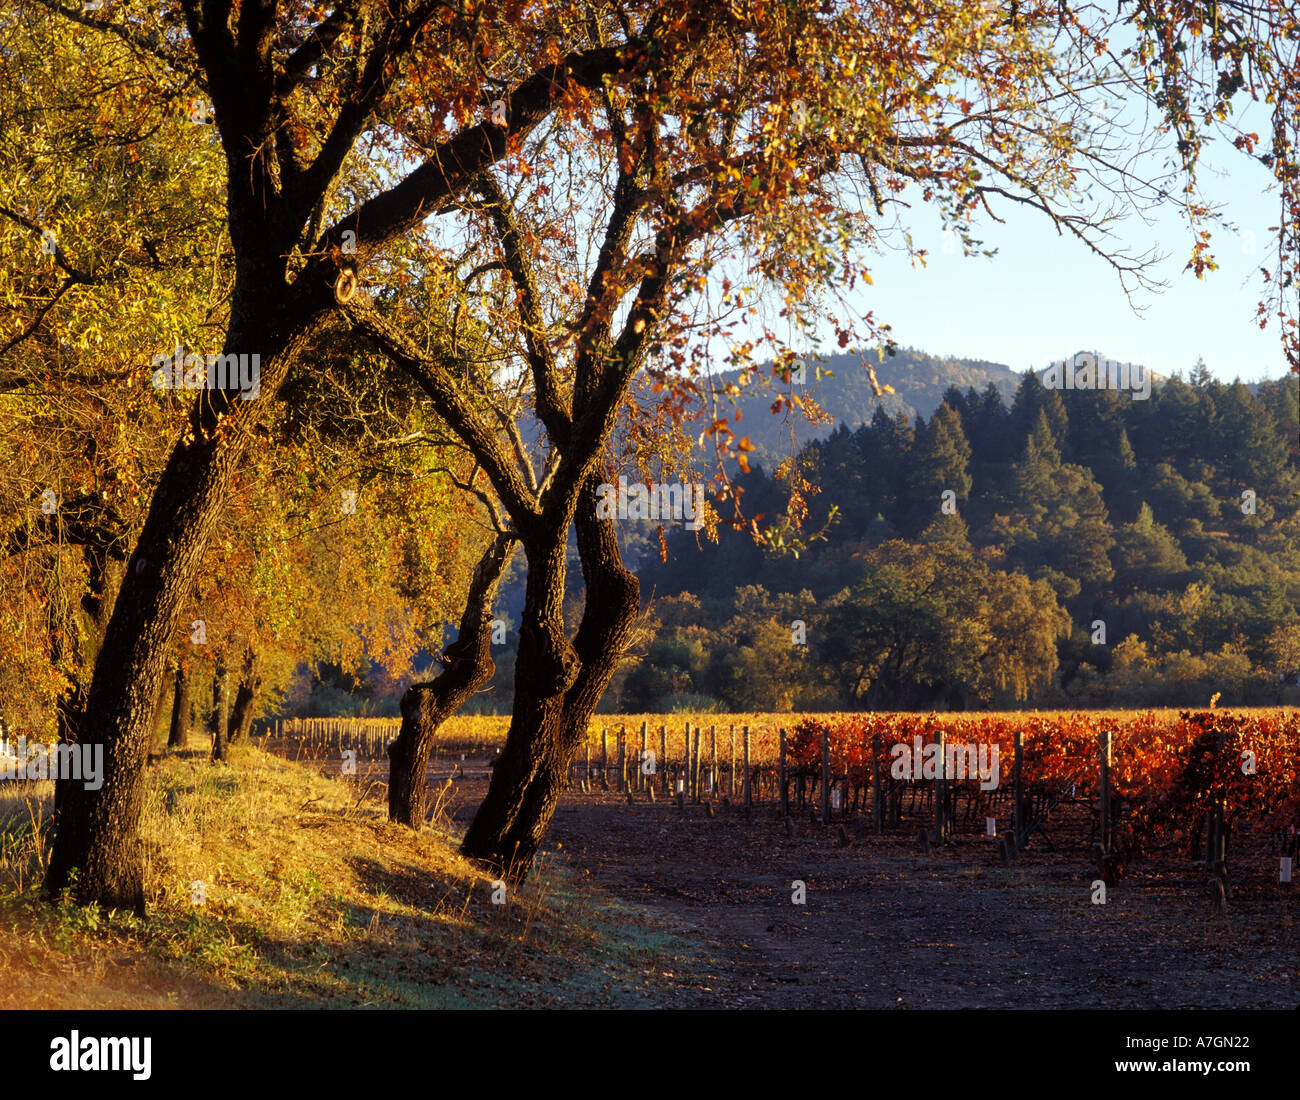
(887, 927)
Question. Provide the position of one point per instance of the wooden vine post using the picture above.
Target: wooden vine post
(826, 776)
(877, 792)
(684, 777)
(1216, 850)
(1104, 812)
(1019, 809)
(690, 766)
(941, 791)
(749, 795)
(785, 794)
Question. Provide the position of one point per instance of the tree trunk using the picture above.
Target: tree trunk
(220, 712)
(76, 650)
(467, 666)
(97, 833)
(180, 726)
(71, 702)
(554, 698)
(163, 710)
(250, 685)
(545, 668)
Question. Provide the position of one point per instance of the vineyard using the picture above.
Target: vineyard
(1133, 785)
(1211, 785)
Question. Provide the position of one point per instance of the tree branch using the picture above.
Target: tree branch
(551, 407)
(451, 404)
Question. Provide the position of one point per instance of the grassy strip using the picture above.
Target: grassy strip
(273, 885)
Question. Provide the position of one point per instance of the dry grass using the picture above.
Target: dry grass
(271, 884)
(24, 831)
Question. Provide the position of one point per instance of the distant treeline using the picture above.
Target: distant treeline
(1078, 548)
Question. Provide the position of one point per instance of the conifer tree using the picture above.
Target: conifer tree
(940, 464)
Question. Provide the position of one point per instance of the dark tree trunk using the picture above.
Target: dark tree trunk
(467, 666)
(220, 712)
(545, 668)
(102, 578)
(250, 685)
(68, 707)
(97, 835)
(557, 687)
(180, 726)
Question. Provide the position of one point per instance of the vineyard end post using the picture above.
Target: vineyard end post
(785, 794)
(826, 776)
(877, 794)
(1018, 792)
(748, 792)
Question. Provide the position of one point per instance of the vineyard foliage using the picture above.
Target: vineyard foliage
(1168, 768)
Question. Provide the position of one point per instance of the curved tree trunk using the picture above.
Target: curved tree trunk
(545, 667)
(552, 712)
(180, 709)
(467, 666)
(98, 831)
(250, 686)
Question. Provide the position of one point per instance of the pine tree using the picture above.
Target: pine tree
(940, 464)
(1059, 528)
(1201, 376)
(1032, 477)
(1248, 444)
(991, 441)
(1174, 427)
(957, 401)
(892, 442)
(1119, 475)
(1032, 397)
(1146, 555)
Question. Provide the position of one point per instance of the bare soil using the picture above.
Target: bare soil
(885, 926)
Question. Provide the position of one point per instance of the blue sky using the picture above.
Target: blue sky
(1045, 296)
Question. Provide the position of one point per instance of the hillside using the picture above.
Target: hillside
(918, 379)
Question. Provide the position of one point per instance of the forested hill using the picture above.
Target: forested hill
(1068, 547)
(919, 381)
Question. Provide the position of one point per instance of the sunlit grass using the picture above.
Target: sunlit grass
(270, 883)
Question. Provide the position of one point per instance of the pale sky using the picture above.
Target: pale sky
(1044, 297)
